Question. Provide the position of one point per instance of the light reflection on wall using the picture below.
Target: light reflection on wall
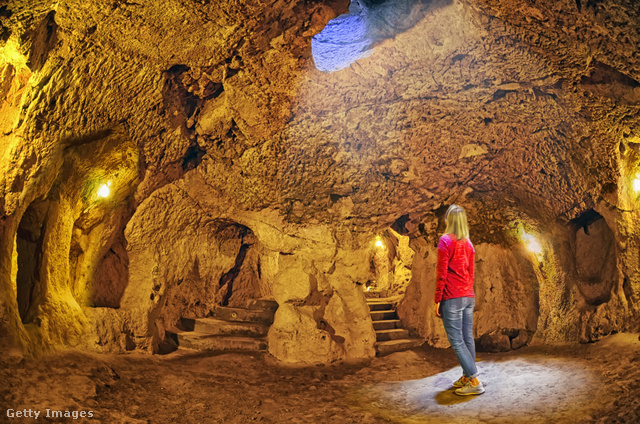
(636, 185)
(531, 243)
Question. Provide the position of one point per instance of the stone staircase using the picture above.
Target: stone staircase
(228, 329)
(390, 336)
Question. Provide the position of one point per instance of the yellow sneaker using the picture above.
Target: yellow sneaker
(470, 389)
(461, 382)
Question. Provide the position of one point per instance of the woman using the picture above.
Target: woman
(455, 298)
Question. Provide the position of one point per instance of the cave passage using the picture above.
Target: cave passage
(534, 386)
(230, 211)
(29, 240)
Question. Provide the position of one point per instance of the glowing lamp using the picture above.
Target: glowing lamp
(531, 243)
(534, 247)
(104, 191)
(636, 185)
(379, 244)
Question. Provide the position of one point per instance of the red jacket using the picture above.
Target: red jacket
(455, 268)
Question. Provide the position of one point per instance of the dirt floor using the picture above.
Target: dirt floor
(594, 383)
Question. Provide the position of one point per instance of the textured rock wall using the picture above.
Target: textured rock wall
(222, 133)
(182, 247)
(61, 240)
(315, 273)
(506, 291)
(578, 288)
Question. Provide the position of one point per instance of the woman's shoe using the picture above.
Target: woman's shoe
(470, 389)
(461, 382)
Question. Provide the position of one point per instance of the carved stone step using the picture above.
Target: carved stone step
(386, 324)
(390, 346)
(200, 341)
(243, 315)
(216, 327)
(382, 315)
(267, 304)
(380, 306)
(393, 334)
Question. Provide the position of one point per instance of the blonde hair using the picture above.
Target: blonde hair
(456, 220)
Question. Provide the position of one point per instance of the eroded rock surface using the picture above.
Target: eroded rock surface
(239, 170)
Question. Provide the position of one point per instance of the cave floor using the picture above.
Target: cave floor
(597, 382)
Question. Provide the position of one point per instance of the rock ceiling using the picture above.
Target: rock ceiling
(527, 106)
(216, 131)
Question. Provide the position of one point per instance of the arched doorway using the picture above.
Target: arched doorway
(390, 259)
(242, 282)
(29, 241)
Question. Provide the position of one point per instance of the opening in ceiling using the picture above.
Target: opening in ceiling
(353, 35)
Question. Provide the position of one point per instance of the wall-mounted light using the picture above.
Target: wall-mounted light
(531, 243)
(636, 184)
(104, 191)
(379, 243)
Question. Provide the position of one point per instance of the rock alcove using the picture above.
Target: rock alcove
(240, 170)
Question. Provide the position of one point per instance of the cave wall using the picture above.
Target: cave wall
(61, 238)
(506, 291)
(178, 262)
(579, 288)
(214, 113)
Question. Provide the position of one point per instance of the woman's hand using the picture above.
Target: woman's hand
(438, 314)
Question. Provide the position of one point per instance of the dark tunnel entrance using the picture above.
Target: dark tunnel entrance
(595, 258)
(390, 259)
(29, 247)
(240, 283)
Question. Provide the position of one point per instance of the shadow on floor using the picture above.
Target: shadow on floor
(448, 397)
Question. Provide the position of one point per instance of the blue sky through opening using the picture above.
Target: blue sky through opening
(343, 41)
